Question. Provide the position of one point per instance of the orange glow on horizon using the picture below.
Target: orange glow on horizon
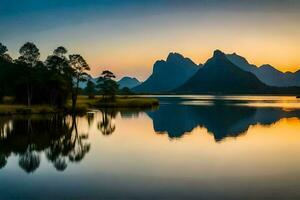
(141, 66)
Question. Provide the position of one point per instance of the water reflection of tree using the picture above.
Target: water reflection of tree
(3, 161)
(72, 146)
(106, 125)
(4, 126)
(55, 135)
(30, 160)
(90, 118)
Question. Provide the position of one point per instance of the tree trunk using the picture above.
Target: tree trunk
(29, 95)
(74, 101)
(53, 98)
(74, 96)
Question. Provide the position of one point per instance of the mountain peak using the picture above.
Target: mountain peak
(129, 82)
(179, 60)
(169, 74)
(268, 67)
(129, 78)
(237, 58)
(218, 53)
(241, 62)
(174, 57)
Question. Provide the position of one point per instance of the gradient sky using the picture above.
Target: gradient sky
(127, 37)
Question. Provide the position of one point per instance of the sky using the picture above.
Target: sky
(128, 36)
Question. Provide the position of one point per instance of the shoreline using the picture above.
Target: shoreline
(83, 105)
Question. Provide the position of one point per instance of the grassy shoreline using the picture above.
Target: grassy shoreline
(12, 109)
(83, 105)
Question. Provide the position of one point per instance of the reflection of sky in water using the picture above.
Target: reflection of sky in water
(135, 161)
(251, 101)
(198, 103)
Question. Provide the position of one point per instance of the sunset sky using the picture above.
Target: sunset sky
(127, 37)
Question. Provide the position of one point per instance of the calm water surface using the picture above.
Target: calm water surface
(191, 147)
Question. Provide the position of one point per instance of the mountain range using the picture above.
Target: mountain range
(219, 75)
(267, 73)
(222, 73)
(126, 81)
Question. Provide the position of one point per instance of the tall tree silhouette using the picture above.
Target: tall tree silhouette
(79, 73)
(29, 57)
(3, 49)
(3, 72)
(90, 89)
(106, 84)
(59, 81)
(3, 54)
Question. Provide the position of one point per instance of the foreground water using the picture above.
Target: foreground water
(195, 147)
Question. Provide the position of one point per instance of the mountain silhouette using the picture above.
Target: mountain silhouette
(126, 81)
(220, 75)
(129, 82)
(168, 75)
(267, 73)
(220, 119)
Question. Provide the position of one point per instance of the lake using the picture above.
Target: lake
(191, 147)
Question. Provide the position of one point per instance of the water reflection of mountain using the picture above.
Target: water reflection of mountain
(220, 120)
(28, 137)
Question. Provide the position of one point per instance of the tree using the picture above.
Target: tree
(3, 54)
(106, 84)
(3, 49)
(79, 68)
(108, 74)
(58, 62)
(59, 83)
(30, 54)
(29, 57)
(60, 51)
(90, 89)
(126, 91)
(4, 59)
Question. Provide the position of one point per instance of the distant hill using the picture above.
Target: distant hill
(168, 75)
(82, 85)
(129, 82)
(267, 73)
(220, 75)
(126, 81)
